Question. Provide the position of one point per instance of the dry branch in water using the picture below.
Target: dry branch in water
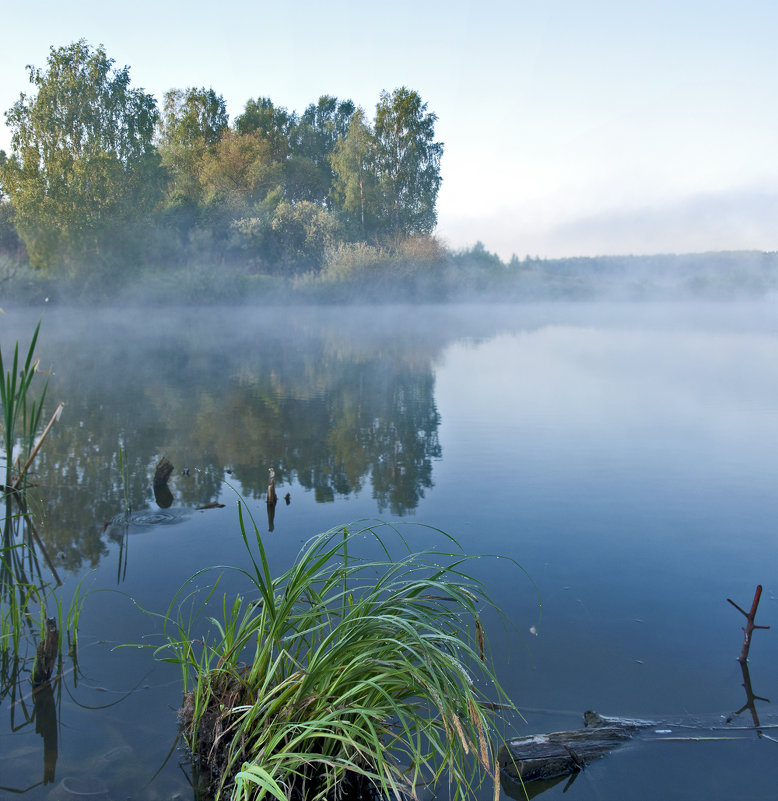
(34, 453)
(750, 625)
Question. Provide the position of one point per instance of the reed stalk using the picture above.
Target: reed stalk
(20, 413)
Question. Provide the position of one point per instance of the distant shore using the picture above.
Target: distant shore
(424, 272)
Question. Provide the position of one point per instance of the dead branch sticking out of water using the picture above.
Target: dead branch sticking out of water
(34, 452)
(750, 625)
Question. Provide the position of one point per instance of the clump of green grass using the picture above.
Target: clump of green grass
(344, 674)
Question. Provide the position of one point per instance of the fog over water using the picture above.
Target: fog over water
(623, 454)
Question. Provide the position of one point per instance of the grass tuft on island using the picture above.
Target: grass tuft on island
(356, 672)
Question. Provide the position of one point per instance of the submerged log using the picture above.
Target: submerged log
(561, 753)
(546, 756)
(210, 505)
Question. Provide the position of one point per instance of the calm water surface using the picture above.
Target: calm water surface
(625, 456)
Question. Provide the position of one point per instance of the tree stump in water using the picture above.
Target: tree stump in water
(163, 472)
(271, 487)
(46, 655)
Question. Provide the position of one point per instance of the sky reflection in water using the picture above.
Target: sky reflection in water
(624, 456)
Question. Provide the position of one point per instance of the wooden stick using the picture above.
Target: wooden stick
(37, 447)
(271, 487)
(750, 626)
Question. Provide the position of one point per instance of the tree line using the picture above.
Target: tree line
(100, 174)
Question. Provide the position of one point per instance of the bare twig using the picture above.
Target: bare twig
(34, 453)
(750, 625)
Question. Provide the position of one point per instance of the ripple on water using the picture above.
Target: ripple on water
(148, 518)
(121, 753)
(79, 787)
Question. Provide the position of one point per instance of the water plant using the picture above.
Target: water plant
(127, 507)
(25, 593)
(21, 414)
(358, 670)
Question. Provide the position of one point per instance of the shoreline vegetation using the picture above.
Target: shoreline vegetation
(108, 194)
(419, 270)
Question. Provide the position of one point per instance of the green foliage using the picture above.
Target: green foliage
(350, 261)
(99, 181)
(407, 162)
(273, 124)
(309, 172)
(355, 185)
(83, 157)
(10, 243)
(192, 117)
(357, 666)
(303, 231)
(191, 126)
(239, 171)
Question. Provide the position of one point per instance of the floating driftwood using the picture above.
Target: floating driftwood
(211, 505)
(561, 753)
(546, 756)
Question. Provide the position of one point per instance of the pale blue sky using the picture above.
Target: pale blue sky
(570, 127)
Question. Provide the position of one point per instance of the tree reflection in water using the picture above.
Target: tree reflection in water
(333, 404)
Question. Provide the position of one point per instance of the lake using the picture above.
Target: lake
(625, 456)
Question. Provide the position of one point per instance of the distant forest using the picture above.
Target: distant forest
(106, 192)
